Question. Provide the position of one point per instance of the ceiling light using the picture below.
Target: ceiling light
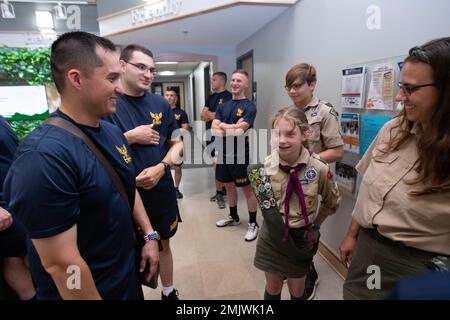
(166, 73)
(166, 62)
(44, 20)
(7, 10)
(60, 12)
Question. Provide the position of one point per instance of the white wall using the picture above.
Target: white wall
(331, 34)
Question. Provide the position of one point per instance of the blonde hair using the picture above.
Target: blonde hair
(295, 116)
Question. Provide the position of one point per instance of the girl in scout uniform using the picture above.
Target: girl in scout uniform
(401, 219)
(287, 186)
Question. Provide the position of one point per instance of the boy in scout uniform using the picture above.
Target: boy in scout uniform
(287, 188)
(325, 137)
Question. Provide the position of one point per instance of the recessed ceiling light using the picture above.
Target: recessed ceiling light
(166, 73)
(167, 62)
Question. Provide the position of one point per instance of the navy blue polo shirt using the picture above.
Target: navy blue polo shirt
(181, 116)
(8, 146)
(214, 100)
(56, 182)
(160, 202)
(230, 113)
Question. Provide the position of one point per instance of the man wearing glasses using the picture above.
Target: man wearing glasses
(148, 123)
(325, 137)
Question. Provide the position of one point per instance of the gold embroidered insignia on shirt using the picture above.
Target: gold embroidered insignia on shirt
(240, 112)
(124, 152)
(156, 118)
(220, 101)
(177, 117)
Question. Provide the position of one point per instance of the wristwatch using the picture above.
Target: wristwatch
(151, 236)
(166, 165)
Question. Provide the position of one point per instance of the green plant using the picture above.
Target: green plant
(25, 65)
(23, 127)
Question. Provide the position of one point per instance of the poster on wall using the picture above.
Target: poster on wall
(350, 131)
(371, 125)
(381, 90)
(23, 102)
(353, 84)
(346, 176)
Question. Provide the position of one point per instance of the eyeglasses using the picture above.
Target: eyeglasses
(143, 68)
(295, 86)
(408, 90)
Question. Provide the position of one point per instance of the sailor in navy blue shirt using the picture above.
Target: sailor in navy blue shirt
(82, 229)
(13, 237)
(219, 96)
(149, 125)
(182, 120)
(233, 118)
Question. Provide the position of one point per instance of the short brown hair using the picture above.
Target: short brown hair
(302, 72)
(241, 71)
(127, 52)
(221, 74)
(76, 50)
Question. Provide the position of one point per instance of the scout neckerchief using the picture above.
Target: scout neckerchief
(294, 184)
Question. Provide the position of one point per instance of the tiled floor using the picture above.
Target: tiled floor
(216, 263)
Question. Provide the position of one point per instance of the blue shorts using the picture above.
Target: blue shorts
(236, 173)
(13, 241)
(162, 207)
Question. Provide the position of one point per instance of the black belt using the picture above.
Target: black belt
(374, 234)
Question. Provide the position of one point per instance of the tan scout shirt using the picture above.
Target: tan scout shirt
(324, 124)
(421, 222)
(315, 178)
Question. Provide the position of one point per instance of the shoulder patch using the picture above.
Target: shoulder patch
(316, 156)
(334, 112)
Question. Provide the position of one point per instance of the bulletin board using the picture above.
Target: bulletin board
(361, 124)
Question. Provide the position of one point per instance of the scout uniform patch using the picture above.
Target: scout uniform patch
(262, 188)
(310, 174)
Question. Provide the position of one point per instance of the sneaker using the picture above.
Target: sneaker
(228, 221)
(252, 231)
(179, 194)
(311, 282)
(220, 201)
(172, 296)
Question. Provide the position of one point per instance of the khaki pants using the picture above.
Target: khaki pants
(378, 260)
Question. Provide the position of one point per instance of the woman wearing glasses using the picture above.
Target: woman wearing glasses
(325, 137)
(401, 220)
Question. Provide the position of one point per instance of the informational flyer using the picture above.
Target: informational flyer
(350, 131)
(371, 125)
(353, 84)
(346, 176)
(381, 90)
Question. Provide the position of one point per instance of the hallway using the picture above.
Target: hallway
(213, 263)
